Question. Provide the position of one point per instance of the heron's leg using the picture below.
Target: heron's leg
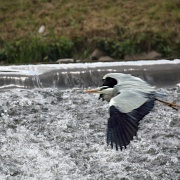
(172, 104)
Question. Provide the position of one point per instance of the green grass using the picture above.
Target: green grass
(120, 27)
(35, 50)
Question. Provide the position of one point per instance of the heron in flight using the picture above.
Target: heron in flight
(130, 99)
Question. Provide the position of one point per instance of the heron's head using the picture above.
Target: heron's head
(104, 91)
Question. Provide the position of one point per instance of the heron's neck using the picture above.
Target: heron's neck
(108, 94)
(109, 91)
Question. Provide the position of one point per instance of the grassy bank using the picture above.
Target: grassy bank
(73, 29)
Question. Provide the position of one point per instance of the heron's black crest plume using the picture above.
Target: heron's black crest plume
(110, 82)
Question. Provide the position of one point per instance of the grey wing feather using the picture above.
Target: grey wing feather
(128, 100)
(131, 94)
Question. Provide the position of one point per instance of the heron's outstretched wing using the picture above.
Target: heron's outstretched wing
(123, 122)
(129, 99)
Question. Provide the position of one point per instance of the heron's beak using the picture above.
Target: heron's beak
(92, 91)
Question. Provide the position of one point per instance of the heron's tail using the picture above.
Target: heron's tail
(172, 104)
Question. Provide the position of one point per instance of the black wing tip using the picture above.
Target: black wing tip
(116, 140)
(121, 148)
(121, 129)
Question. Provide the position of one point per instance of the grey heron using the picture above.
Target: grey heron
(130, 99)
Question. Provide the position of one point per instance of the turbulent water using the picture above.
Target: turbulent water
(53, 134)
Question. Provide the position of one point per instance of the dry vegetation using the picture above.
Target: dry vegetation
(145, 22)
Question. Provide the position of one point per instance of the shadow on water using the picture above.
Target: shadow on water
(160, 75)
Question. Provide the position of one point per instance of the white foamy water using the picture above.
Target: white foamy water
(52, 134)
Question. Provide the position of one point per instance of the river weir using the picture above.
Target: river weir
(160, 73)
(51, 130)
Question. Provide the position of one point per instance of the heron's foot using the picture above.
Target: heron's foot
(172, 105)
